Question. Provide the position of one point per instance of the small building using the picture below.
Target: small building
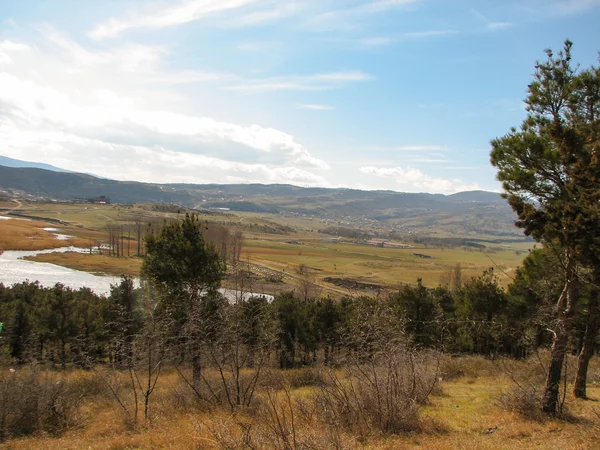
(102, 200)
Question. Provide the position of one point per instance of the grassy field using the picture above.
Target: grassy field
(465, 413)
(99, 264)
(19, 234)
(386, 266)
(266, 245)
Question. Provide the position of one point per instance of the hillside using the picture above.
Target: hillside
(462, 214)
(11, 162)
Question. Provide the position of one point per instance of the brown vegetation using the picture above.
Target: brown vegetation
(19, 234)
(94, 263)
(76, 409)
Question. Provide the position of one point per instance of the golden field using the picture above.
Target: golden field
(464, 413)
(279, 252)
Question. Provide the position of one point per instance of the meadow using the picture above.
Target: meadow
(467, 410)
(271, 242)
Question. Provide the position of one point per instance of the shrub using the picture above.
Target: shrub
(525, 400)
(305, 376)
(453, 367)
(32, 402)
(382, 395)
(283, 423)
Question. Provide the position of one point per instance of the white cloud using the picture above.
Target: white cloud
(376, 41)
(428, 160)
(423, 34)
(315, 107)
(126, 162)
(11, 46)
(568, 7)
(344, 76)
(491, 25)
(385, 4)
(411, 179)
(111, 110)
(7, 47)
(127, 57)
(350, 15)
(189, 76)
(379, 6)
(499, 25)
(182, 12)
(421, 148)
(270, 13)
(382, 41)
(257, 46)
(316, 82)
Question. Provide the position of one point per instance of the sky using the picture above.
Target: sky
(370, 94)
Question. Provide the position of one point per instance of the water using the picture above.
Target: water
(14, 269)
(57, 235)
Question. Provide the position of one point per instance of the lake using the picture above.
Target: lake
(14, 269)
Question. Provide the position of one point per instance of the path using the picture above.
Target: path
(19, 205)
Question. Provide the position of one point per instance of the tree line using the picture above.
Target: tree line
(128, 239)
(179, 319)
(189, 318)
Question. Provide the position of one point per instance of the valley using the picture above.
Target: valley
(282, 251)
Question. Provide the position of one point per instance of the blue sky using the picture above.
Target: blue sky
(380, 94)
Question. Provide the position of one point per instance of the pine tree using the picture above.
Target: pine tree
(550, 172)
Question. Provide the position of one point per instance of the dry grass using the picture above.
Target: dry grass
(473, 420)
(18, 234)
(344, 260)
(465, 414)
(94, 263)
(385, 266)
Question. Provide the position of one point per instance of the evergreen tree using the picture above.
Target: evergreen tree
(550, 173)
(417, 307)
(185, 271)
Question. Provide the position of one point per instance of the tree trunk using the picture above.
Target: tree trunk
(196, 364)
(63, 354)
(564, 310)
(557, 357)
(589, 339)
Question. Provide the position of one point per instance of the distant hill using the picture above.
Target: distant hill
(10, 162)
(67, 186)
(476, 196)
(466, 213)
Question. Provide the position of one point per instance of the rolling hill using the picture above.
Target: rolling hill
(11, 162)
(466, 213)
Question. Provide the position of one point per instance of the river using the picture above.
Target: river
(14, 269)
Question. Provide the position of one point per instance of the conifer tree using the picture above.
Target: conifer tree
(550, 172)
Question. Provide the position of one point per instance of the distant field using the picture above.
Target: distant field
(18, 234)
(381, 265)
(98, 264)
(265, 245)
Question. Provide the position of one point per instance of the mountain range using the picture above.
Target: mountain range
(10, 162)
(481, 212)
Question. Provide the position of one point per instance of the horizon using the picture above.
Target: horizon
(252, 183)
(390, 95)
